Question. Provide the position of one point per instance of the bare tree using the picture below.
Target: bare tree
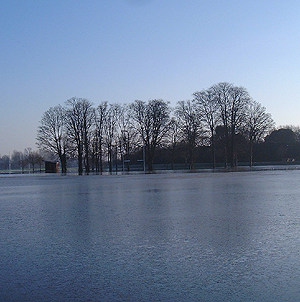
(4, 162)
(80, 114)
(126, 133)
(33, 158)
(100, 120)
(152, 122)
(207, 109)
(52, 134)
(23, 160)
(189, 123)
(221, 93)
(110, 130)
(39, 159)
(232, 102)
(16, 159)
(88, 129)
(258, 124)
(173, 137)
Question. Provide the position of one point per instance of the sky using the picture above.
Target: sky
(123, 50)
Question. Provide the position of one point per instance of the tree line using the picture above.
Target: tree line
(19, 160)
(219, 118)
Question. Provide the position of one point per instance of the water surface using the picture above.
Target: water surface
(164, 237)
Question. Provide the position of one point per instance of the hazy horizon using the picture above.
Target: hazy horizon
(119, 51)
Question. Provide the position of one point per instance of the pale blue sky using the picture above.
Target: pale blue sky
(122, 50)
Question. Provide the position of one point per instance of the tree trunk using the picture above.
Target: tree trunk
(251, 154)
(226, 145)
(213, 151)
(191, 158)
(149, 159)
(110, 160)
(116, 159)
(86, 159)
(80, 168)
(150, 165)
(63, 163)
(232, 159)
(101, 160)
(172, 157)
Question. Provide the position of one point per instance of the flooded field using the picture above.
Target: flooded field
(163, 237)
